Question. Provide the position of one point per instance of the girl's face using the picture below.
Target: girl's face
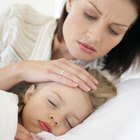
(94, 27)
(54, 108)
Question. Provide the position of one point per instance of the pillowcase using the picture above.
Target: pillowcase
(8, 115)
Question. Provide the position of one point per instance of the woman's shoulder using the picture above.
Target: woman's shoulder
(20, 30)
(25, 13)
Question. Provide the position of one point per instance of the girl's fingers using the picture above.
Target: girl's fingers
(23, 134)
(36, 137)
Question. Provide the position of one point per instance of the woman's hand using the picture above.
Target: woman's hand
(23, 134)
(60, 70)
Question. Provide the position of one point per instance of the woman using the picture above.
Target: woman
(97, 33)
(87, 30)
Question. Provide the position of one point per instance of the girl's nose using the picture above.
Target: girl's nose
(55, 119)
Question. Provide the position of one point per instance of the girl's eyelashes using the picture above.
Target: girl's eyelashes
(52, 103)
(69, 124)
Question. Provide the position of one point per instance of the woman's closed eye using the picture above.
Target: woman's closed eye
(113, 32)
(89, 17)
(117, 30)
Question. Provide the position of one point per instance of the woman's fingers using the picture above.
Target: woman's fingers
(68, 78)
(77, 74)
(84, 76)
(61, 79)
(85, 73)
(80, 83)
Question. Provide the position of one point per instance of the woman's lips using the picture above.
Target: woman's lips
(85, 47)
(45, 126)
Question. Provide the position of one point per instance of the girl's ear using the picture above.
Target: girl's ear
(29, 93)
(68, 5)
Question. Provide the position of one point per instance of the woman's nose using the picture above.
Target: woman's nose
(55, 119)
(95, 34)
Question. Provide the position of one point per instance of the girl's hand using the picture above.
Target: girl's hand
(23, 134)
(37, 138)
(60, 70)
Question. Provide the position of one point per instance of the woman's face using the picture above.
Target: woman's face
(94, 27)
(54, 108)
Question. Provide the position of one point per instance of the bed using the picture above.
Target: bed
(118, 119)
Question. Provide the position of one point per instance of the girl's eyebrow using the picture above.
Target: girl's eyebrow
(95, 7)
(58, 96)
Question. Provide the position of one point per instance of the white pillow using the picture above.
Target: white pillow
(118, 119)
(8, 115)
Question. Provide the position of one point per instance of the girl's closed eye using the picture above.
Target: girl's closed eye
(52, 103)
(69, 124)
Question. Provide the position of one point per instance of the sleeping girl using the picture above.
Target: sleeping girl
(56, 108)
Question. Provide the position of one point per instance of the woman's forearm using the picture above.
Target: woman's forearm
(44, 71)
(9, 76)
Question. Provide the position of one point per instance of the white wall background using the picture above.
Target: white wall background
(49, 7)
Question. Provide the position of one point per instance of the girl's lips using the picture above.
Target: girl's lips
(45, 126)
(86, 48)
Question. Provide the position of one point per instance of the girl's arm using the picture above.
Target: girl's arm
(23, 134)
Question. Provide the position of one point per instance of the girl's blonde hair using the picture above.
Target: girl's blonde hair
(105, 89)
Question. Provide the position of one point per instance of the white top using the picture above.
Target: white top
(25, 34)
